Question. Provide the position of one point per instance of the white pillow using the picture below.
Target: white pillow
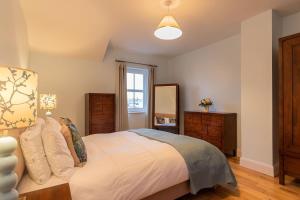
(57, 151)
(34, 154)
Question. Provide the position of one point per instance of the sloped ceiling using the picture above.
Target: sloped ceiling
(83, 28)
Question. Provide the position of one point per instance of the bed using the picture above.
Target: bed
(124, 165)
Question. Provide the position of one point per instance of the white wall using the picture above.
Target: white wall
(13, 35)
(257, 43)
(71, 78)
(291, 24)
(212, 71)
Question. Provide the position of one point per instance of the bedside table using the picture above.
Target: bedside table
(61, 192)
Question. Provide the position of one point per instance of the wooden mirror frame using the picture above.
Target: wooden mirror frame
(172, 129)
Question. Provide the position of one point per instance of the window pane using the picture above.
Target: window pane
(130, 99)
(139, 81)
(139, 100)
(130, 81)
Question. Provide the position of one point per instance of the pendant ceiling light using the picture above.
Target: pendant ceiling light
(168, 28)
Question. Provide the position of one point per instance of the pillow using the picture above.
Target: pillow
(57, 152)
(160, 120)
(78, 143)
(34, 154)
(167, 120)
(173, 120)
(68, 137)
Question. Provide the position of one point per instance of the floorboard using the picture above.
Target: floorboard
(251, 185)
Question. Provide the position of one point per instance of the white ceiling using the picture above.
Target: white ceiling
(83, 28)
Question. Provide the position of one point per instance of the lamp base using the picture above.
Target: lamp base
(8, 178)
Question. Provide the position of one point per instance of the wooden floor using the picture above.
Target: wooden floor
(252, 185)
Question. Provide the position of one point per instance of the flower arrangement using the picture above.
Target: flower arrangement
(205, 103)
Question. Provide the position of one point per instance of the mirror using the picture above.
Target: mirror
(165, 114)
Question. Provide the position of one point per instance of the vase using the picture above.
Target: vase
(206, 109)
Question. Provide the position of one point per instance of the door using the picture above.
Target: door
(291, 95)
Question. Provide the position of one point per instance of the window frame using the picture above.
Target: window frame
(144, 72)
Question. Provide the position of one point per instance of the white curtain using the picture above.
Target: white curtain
(121, 97)
(151, 80)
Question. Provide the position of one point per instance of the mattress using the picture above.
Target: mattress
(125, 166)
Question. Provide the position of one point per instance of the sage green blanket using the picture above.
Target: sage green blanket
(206, 164)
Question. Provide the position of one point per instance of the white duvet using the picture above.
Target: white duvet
(125, 166)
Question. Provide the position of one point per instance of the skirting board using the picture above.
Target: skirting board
(238, 152)
(259, 166)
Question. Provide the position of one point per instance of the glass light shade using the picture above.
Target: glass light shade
(168, 29)
(18, 97)
(47, 101)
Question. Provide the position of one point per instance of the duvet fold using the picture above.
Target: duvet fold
(206, 164)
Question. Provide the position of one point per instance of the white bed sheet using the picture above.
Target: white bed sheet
(126, 166)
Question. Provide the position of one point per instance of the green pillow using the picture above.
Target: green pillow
(77, 140)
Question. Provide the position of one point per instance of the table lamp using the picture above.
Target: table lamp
(48, 103)
(18, 100)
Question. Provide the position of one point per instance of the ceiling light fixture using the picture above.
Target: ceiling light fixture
(168, 28)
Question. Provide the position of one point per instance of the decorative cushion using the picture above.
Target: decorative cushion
(34, 154)
(68, 137)
(77, 140)
(57, 152)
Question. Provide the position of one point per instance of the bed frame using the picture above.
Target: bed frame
(64, 193)
(173, 192)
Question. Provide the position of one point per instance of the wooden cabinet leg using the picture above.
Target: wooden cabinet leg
(281, 171)
(234, 153)
(281, 179)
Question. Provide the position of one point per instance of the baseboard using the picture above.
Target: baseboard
(257, 166)
(238, 152)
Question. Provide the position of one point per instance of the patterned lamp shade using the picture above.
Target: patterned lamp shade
(47, 101)
(18, 98)
(18, 106)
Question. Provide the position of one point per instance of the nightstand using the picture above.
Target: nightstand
(61, 192)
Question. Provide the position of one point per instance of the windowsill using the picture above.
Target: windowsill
(136, 112)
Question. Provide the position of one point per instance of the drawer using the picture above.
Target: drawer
(188, 116)
(192, 134)
(215, 132)
(101, 117)
(214, 142)
(292, 166)
(214, 120)
(103, 128)
(101, 122)
(192, 117)
(108, 108)
(108, 100)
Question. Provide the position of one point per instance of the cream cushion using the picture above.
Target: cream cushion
(34, 154)
(68, 137)
(57, 152)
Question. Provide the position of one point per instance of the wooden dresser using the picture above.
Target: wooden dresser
(219, 129)
(289, 107)
(99, 113)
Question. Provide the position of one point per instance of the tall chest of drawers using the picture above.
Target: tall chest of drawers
(99, 113)
(219, 129)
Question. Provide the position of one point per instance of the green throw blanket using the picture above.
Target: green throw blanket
(206, 164)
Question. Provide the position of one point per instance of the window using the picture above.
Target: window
(137, 81)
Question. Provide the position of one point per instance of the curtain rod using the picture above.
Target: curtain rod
(124, 61)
